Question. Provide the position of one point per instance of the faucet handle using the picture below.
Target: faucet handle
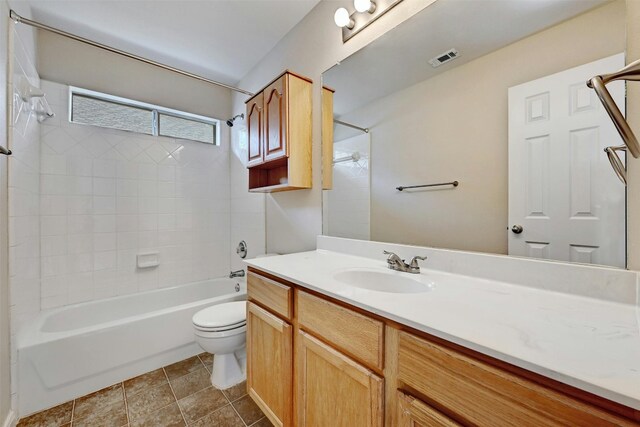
(414, 261)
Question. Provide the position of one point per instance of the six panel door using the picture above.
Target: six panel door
(275, 120)
(270, 364)
(254, 130)
(333, 390)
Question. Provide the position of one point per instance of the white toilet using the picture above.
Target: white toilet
(221, 330)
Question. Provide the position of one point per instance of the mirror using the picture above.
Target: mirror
(490, 94)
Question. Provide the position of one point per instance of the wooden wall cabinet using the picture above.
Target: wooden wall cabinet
(279, 135)
(332, 364)
(327, 138)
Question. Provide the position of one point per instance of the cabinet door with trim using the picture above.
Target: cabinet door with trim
(333, 390)
(255, 130)
(275, 119)
(414, 413)
(270, 364)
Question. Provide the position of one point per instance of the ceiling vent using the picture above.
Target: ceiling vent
(443, 58)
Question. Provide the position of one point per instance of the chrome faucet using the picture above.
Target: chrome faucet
(238, 273)
(394, 262)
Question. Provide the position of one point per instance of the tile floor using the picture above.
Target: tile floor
(176, 395)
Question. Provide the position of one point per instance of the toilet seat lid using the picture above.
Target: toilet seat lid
(222, 315)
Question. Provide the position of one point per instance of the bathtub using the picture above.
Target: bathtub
(71, 351)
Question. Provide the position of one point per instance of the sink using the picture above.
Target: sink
(383, 281)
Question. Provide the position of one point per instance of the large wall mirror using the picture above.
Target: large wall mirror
(491, 95)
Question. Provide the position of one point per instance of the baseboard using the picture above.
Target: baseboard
(11, 420)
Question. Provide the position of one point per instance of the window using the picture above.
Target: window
(108, 111)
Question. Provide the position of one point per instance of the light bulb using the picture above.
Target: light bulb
(342, 18)
(364, 5)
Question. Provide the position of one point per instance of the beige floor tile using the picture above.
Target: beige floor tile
(188, 384)
(169, 416)
(148, 380)
(263, 423)
(148, 401)
(114, 415)
(236, 392)
(248, 410)
(207, 359)
(183, 367)
(223, 417)
(53, 417)
(97, 402)
(201, 403)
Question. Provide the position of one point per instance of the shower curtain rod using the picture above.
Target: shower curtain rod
(20, 20)
(340, 122)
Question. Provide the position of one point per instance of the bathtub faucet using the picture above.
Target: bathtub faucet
(239, 273)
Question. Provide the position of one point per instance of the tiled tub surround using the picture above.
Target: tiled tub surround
(176, 395)
(576, 324)
(70, 351)
(23, 192)
(107, 195)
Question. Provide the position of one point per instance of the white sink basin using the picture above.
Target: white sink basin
(384, 281)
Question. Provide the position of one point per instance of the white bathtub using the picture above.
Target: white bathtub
(74, 350)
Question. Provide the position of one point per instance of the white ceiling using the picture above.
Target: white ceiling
(399, 59)
(219, 39)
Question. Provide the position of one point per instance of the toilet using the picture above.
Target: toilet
(221, 330)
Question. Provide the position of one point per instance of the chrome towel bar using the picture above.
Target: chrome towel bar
(630, 72)
(406, 187)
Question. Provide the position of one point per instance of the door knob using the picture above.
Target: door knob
(517, 229)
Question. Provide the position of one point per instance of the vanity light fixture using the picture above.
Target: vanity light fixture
(366, 11)
(364, 6)
(342, 19)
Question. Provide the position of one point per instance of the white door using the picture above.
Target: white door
(563, 192)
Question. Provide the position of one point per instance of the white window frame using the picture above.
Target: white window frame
(155, 110)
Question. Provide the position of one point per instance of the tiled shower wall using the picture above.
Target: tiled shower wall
(109, 195)
(24, 193)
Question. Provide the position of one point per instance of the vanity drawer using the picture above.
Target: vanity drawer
(357, 335)
(274, 296)
(481, 394)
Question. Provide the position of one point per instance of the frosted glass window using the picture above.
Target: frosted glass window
(109, 111)
(98, 112)
(194, 130)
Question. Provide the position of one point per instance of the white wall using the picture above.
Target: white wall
(346, 207)
(294, 218)
(109, 195)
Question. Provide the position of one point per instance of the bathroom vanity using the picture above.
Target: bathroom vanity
(331, 341)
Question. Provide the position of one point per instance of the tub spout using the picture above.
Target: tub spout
(238, 273)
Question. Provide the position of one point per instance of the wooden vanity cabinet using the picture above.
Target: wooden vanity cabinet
(333, 389)
(325, 363)
(270, 349)
(279, 133)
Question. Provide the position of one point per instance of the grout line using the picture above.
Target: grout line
(174, 397)
(73, 411)
(126, 403)
(238, 413)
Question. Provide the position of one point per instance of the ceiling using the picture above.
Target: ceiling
(399, 59)
(219, 39)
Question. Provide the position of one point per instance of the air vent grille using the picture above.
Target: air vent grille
(443, 58)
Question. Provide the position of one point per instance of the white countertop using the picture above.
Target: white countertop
(589, 343)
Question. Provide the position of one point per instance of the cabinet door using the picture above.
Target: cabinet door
(333, 390)
(270, 364)
(414, 413)
(275, 120)
(255, 126)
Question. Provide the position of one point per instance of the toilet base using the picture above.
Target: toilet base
(228, 370)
